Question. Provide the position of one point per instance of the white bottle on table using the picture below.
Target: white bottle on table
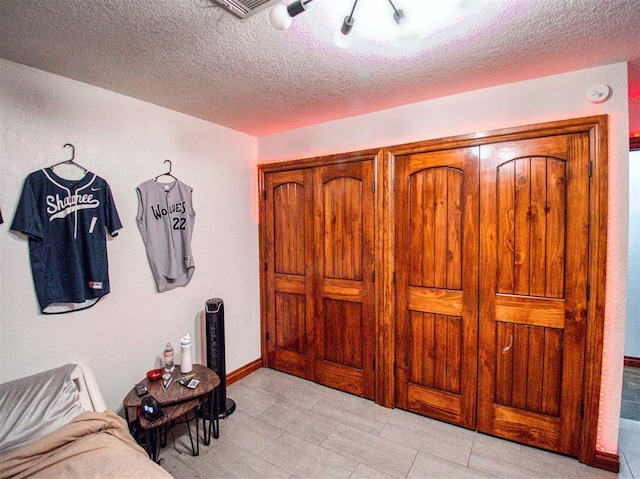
(186, 364)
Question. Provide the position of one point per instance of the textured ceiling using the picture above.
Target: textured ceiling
(194, 57)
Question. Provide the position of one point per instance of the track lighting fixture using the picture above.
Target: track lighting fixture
(297, 7)
(398, 15)
(282, 15)
(347, 24)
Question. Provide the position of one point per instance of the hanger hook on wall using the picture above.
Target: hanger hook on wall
(168, 173)
(73, 150)
(71, 161)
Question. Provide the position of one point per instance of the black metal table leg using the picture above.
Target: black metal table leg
(195, 451)
(197, 434)
(213, 420)
(205, 430)
(163, 434)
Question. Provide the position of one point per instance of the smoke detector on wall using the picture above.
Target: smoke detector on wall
(245, 8)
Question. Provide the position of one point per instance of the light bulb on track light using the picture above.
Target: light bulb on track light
(279, 17)
(342, 41)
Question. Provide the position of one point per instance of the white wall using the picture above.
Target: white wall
(546, 99)
(126, 141)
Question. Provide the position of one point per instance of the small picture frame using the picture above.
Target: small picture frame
(193, 383)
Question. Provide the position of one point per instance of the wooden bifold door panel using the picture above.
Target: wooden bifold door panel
(344, 293)
(319, 271)
(437, 284)
(289, 252)
(533, 292)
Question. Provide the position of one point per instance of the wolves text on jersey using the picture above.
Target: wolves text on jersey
(60, 207)
(159, 212)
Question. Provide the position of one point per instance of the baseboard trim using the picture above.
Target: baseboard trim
(631, 361)
(607, 461)
(243, 371)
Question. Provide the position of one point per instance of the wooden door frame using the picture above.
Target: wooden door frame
(384, 160)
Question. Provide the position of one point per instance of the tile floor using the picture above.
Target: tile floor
(290, 428)
(631, 393)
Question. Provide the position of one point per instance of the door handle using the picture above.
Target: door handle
(507, 348)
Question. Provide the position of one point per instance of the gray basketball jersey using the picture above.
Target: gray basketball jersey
(165, 219)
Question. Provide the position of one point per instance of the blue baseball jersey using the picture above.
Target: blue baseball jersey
(65, 221)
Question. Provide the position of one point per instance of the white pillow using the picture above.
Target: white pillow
(34, 406)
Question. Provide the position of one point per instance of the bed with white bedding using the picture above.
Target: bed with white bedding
(55, 424)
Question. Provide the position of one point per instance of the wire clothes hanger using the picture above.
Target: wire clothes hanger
(70, 161)
(168, 173)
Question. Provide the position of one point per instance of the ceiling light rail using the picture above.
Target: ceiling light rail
(281, 16)
(348, 22)
(398, 14)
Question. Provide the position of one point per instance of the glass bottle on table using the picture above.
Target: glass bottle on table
(168, 358)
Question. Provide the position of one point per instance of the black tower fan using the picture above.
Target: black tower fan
(214, 325)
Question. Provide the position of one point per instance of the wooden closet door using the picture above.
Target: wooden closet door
(533, 293)
(289, 271)
(437, 284)
(345, 320)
